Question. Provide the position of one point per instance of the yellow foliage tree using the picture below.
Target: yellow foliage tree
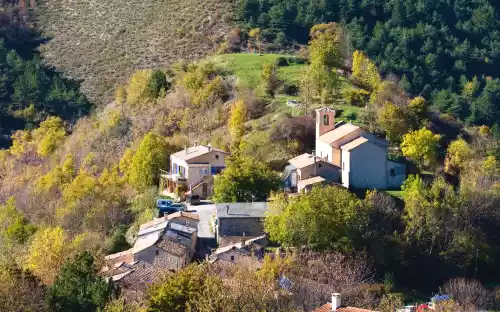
(421, 145)
(237, 121)
(418, 107)
(121, 95)
(213, 91)
(46, 253)
(365, 71)
(256, 34)
(457, 155)
(49, 135)
(82, 185)
(126, 161)
(137, 87)
(58, 177)
(20, 141)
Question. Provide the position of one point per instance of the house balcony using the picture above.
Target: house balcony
(169, 183)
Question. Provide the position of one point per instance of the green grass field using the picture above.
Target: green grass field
(247, 67)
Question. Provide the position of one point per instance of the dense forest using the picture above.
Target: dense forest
(30, 91)
(446, 51)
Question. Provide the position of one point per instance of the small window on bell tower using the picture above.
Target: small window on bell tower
(326, 120)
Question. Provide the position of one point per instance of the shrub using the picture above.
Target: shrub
(357, 97)
(281, 61)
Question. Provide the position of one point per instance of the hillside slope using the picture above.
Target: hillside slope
(103, 42)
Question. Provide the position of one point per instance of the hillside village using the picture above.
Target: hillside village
(249, 155)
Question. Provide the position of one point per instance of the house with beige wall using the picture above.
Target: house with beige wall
(193, 169)
(346, 154)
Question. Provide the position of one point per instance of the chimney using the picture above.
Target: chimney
(186, 149)
(336, 303)
(227, 209)
(209, 147)
(242, 241)
(315, 173)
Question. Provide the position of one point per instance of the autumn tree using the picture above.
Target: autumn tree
(46, 253)
(49, 135)
(365, 71)
(78, 287)
(138, 87)
(150, 157)
(236, 123)
(422, 146)
(14, 228)
(269, 79)
(418, 108)
(244, 180)
(256, 35)
(457, 155)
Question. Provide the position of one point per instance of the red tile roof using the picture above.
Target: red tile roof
(328, 308)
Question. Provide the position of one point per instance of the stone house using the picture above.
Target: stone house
(243, 252)
(236, 220)
(193, 169)
(348, 154)
(169, 244)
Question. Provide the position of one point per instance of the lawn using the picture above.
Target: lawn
(247, 67)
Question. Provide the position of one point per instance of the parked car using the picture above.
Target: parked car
(193, 199)
(164, 203)
(172, 208)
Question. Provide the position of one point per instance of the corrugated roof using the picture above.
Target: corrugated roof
(157, 227)
(354, 143)
(242, 210)
(328, 308)
(311, 181)
(195, 151)
(151, 223)
(338, 133)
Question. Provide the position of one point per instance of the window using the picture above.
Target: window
(232, 258)
(343, 165)
(326, 120)
(216, 156)
(393, 172)
(157, 252)
(319, 165)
